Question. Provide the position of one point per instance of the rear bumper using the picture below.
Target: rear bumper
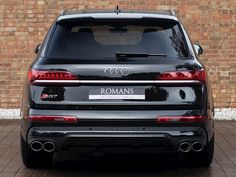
(136, 138)
(123, 131)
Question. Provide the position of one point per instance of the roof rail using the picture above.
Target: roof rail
(63, 12)
(172, 12)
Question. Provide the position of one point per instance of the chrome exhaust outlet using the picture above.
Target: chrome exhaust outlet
(49, 146)
(185, 147)
(36, 146)
(197, 146)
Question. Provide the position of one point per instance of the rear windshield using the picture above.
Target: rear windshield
(101, 39)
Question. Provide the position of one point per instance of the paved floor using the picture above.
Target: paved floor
(114, 166)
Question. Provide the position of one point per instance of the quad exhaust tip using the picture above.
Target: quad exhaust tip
(197, 146)
(36, 146)
(49, 146)
(185, 147)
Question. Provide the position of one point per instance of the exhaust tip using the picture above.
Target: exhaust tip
(36, 146)
(49, 146)
(197, 146)
(185, 147)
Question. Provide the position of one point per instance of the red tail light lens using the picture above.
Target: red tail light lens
(163, 119)
(49, 75)
(199, 75)
(69, 119)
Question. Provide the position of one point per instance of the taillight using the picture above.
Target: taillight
(69, 119)
(163, 119)
(34, 75)
(198, 75)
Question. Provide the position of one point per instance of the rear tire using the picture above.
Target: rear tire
(32, 159)
(203, 158)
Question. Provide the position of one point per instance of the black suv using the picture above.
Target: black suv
(117, 81)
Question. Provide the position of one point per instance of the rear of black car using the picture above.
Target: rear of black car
(127, 82)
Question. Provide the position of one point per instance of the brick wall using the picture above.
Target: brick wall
(24, 23)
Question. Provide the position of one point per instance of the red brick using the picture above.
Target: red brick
(23, 25)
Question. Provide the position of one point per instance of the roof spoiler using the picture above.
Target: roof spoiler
(160, 11)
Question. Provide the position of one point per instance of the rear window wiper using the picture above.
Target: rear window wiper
(124, 55)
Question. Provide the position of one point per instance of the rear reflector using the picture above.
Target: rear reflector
(49, 75)
(181, 119)
(69, 119)
(199, 75)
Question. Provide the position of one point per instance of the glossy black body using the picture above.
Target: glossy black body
(117, 123)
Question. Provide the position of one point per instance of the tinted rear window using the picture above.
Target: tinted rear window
(87, 40)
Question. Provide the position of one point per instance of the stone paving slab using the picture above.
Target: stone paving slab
(72, 165)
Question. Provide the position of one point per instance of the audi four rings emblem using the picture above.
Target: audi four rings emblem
(116, 71)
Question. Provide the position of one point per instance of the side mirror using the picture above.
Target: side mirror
(198, 49)
(36, 50)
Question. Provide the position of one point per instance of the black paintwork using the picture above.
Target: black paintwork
(120, 117)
